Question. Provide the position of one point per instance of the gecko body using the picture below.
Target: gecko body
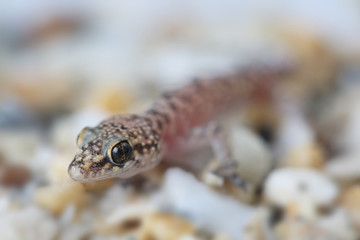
(125, 145)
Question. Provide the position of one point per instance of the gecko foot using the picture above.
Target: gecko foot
(228, 172)
(238, 182)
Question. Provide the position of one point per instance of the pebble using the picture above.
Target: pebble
(13, 114)
(258, 227)
(44, 91)
(99, 186)
(293, 132)
(335, 226)
(350, 198)
(111, 99)
(66, 129)
(347, 139)
(30, 223)
(202, 206)
(264, 118)
(338, 225)
(345, 168)
(56, 198)
(45, 80)
(316, 63)
(298, 229)
(291, 185)
(251, 153)
(163, 226)
(350, 202)
(58, 165)
(127, 218)
(19, 146)
(336, 125)
(309, 155)
(13, 176)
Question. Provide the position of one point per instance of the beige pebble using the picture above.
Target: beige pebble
(322, 229)
(163, 226)
(300, 229)
(304, 209)
(56, 198)
(111, 99)
(309, 155)
(293, 229)
(221, 237)
(57, 171)
(350, 198)
(316, 63)
(258, 226)
(261, 112)
(45, 90)
(99, 185)
(350, 201)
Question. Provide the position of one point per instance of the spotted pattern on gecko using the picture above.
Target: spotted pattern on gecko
(125, 145)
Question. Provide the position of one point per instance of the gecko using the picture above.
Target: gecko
(125, 145)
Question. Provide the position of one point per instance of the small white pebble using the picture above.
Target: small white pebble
(290, 185)
(251, 153)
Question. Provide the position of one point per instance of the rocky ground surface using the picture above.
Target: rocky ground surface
(75, 66)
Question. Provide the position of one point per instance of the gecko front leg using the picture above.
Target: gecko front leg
(223, 167)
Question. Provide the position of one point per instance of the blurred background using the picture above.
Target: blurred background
(66, 64)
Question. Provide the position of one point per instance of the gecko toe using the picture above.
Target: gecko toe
(228, 171)
(238, 182)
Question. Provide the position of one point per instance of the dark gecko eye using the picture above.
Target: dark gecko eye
(120, 153)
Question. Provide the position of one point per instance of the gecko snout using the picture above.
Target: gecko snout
(75, 173)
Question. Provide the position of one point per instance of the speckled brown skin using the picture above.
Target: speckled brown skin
(155, 132)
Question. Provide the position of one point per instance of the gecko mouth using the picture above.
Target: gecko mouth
(99, 170)
(78, 175)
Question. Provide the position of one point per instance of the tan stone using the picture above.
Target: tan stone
(56, 198)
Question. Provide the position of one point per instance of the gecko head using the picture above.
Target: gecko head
(113, 150)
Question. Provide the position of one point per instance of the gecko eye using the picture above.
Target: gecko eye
(120, 153)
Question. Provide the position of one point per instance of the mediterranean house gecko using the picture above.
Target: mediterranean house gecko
(125, 145)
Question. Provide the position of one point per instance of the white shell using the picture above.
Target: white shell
(250, 151)
(289, 185)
